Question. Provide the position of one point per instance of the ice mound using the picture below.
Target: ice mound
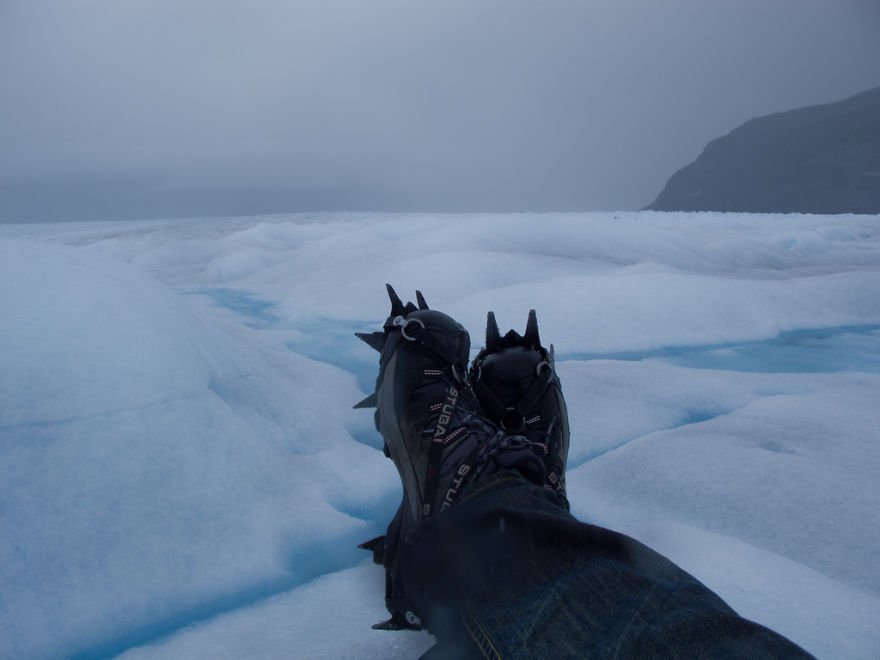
(156, 470)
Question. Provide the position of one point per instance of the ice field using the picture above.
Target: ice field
(182, 475)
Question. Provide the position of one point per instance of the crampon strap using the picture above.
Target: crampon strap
(512, 418)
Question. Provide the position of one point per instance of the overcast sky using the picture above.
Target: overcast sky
(147, 108)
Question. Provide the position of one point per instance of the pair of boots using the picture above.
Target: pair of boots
(448, 428)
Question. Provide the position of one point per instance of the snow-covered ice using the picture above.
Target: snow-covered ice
(183, 476)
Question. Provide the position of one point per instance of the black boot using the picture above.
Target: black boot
(425, 409)
(514, 379)
(432, 427)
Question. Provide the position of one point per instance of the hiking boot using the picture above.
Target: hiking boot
(433, 430)
(425, 410)
(514, 378)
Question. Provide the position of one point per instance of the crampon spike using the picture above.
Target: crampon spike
(396, 622)
(512, 338)
(493, 337)
(376, 546)
(369, 402)
(375, 340)
(396, 303)
(531, 335)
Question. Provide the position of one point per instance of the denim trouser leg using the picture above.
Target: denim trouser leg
(509, 573)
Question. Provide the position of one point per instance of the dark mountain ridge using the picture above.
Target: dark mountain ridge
(816, 159)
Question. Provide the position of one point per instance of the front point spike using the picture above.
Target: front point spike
(421, 300)
(531, 334)
(397, 307)
(369, 402)
(493, 337)
(375, 340)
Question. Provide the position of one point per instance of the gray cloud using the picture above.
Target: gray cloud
(201, 107)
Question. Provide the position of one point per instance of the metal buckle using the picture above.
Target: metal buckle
(477, 370)
(402, 323)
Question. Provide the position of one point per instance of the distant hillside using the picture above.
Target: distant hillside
(818, 159)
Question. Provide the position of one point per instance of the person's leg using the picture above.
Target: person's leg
(514, 571)
(484, 551)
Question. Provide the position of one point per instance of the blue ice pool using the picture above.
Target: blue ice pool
(850, 348)
(827, 350)
(241, 302)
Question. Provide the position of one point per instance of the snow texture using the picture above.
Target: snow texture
(181, 473)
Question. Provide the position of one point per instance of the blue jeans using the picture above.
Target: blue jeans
(508, 572)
